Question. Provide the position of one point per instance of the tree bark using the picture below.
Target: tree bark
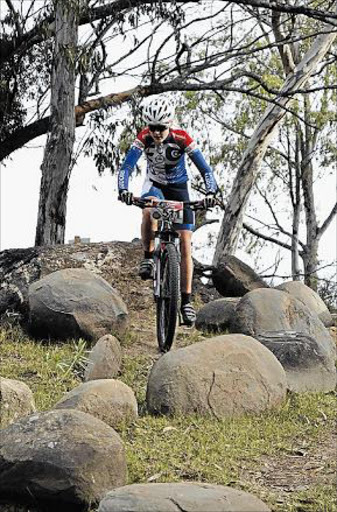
(56, 165)
(296, 201)
(253, 156)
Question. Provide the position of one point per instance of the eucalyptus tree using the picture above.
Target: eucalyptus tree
(260, 139)
(304, 149)
(57, 161)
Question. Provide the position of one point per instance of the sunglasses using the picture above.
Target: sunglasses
(157, 127)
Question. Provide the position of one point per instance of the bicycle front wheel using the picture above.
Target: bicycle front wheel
(167, 302)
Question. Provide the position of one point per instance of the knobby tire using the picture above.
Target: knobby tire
(168, 302)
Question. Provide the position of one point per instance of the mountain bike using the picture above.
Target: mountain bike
(166, 279)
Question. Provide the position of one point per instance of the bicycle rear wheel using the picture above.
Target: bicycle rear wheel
(167, 302)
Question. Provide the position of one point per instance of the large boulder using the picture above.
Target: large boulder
(177, 497)
(105, 358)
(19, 268)
(262, 311)
(310, 298)
(307, 366)
(296, 336)
(73, 303)
(234, 278)
(223, 376)
(62, 460)
(109, 400)
(217, 315)
(16, 401)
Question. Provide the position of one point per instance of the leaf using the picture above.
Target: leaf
(169, 429)
(154, 477)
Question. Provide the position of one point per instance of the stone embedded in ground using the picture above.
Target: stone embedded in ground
(16, 401)
(73, 303)
(105, 358)
(234, 278)
(223, 376)
(109, 400)
(310, 352)
(310, 298)
(217, 315)
(177, 497)
(306, 365)
(262, 311)
(63, 460)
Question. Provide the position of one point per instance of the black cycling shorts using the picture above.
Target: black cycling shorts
(173, 192)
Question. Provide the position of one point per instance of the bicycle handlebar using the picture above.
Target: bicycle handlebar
(150, 203)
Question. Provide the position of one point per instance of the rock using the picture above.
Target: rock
(73, 303)
(310, 298)
(216, 315)
(105, 359)
(262, 311)
(21, 267)
(223, 376)
(309, 349)
(63, 460)
(306, 365)
(16, 401)
(177, 497)
(234, 278)
(109, 400)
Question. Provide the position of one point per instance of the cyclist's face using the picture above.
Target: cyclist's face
(159, 133)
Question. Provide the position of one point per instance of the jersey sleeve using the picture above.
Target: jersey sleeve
(199, 161)
(130, 162)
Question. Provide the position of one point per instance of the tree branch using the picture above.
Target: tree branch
(266, 237)
(327, 221)
(46, 26)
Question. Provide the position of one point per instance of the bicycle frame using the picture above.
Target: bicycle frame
(165, 213)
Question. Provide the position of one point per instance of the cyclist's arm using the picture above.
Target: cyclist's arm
(205, 170)
(128, 166)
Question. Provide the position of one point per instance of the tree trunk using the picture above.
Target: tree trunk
(296, 202)
(308, 144)
(253, 156)
(56, 165)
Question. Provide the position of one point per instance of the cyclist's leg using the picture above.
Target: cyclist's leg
(148, 227)
(186, 260)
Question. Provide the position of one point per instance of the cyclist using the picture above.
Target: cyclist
(165, 147)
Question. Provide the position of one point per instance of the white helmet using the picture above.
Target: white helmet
(159, 110)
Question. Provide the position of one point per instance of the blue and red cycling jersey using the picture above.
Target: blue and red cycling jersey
(166, 161)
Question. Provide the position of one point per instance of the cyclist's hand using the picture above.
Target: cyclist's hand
(209, 200)
(125, 196)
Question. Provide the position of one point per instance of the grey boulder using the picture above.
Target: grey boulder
(310, 298)
(105, 358)
(233, 278)
(73, 303)
(223, 376)
(16, 401)
(62, 460)
(177, 497)
(217, 315)
(109, 400)
(307, 366)
(296, 336)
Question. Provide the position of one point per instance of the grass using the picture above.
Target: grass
(172, 449)
(43, 366)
